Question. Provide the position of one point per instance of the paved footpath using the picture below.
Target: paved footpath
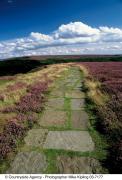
(61, 142)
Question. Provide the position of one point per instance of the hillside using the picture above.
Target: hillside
(78, 102)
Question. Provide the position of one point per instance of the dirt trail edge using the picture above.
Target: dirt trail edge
(61, 143)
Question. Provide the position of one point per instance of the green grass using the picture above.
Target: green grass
(51, 160)
(68, 113)
(100, 151)
(99, 139)
(3, 81)
(101, 145)
(53, 154)
(4, 165)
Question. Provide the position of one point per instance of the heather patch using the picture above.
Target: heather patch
(16, 86)
(8, 139)
(26, 110)
(25, 99)
(108, 78)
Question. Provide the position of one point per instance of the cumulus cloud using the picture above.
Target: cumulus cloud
(111, 34)
(72, 38)
(41, 37)
(76, 29)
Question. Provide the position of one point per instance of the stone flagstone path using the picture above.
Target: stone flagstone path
(63, 127)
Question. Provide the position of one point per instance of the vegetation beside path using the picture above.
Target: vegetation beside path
(22, 97)
(103, 86)
(65, 116)
(71, 107)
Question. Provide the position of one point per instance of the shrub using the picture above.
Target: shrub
(109, 74)
(8, 138)
(26, 110)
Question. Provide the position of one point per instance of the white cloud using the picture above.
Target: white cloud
(111, 34)
(110, 30)
(76, 29)
(72, 38)
(41, 37)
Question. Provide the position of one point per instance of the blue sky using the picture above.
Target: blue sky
(21, 20)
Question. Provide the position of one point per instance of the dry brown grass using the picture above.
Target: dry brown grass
(4, 118)
(10, 97)
(94, 92)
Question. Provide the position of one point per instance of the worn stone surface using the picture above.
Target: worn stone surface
(77, 104)
(72, 115)
(56, 103)
(79, 119)
(78, 165)
(53, 118)
(28, 163)
(70, 84)
(69, 140)
(36, 137)
(75, 94)
(57, 93)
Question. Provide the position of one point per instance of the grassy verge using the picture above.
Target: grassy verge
(46, 74)
(92, 95)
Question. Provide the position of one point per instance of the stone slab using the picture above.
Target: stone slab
(78, 165)
(69, 140)
(79, 119)
(75, 94)
(56, 103)
(28, 163)
(57, 93)
(77, 104)
(71, 84)
(53, 118)
(36, 137)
